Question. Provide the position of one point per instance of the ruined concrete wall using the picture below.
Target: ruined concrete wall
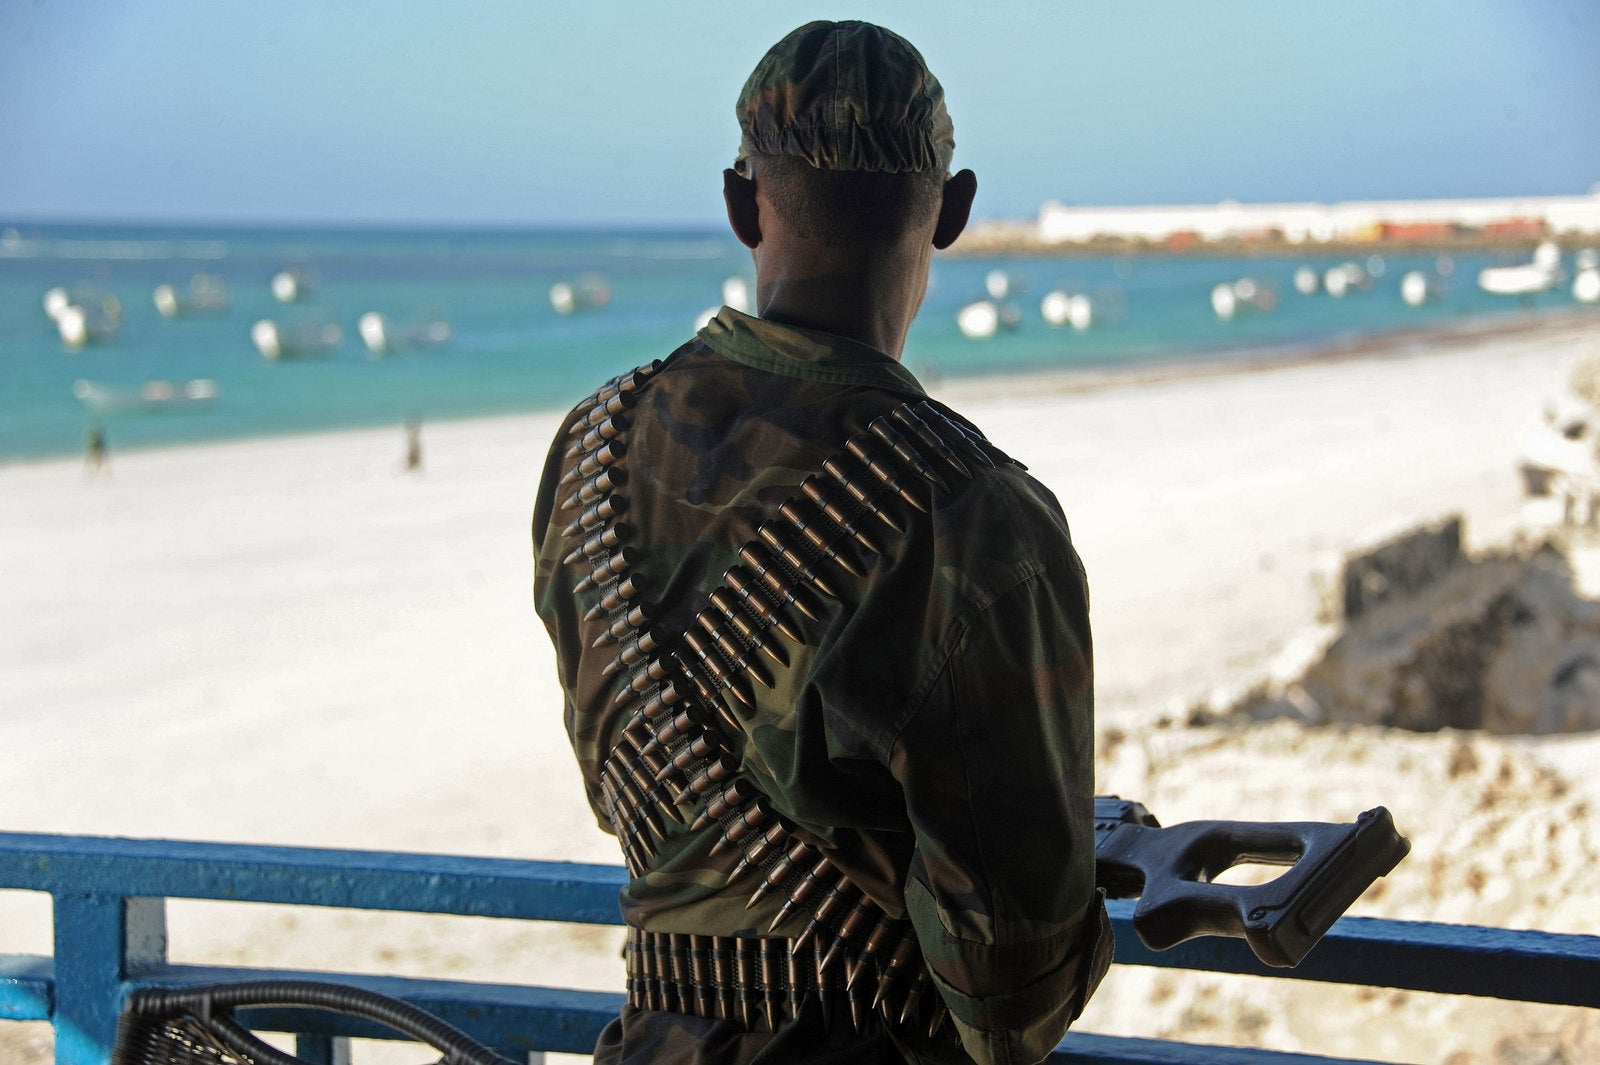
(1434, 639)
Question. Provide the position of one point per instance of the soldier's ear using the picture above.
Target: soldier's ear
(955, 208)
(739, 194)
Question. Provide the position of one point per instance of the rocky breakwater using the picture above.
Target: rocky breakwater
(1430, 637)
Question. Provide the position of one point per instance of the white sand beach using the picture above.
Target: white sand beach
(295, 641)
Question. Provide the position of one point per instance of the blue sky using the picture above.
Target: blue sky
(502, 113)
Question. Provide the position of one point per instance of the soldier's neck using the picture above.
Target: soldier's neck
(871, 300)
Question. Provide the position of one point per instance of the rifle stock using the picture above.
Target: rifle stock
(1172, 872)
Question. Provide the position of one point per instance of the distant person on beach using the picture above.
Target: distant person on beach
(825, 651)
(414, 443)
(95, 456)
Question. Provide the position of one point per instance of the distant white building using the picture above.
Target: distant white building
(1298, 223)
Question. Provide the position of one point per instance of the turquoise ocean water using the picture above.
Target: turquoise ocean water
(510, 351)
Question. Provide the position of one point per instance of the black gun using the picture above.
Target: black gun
(1171, 871)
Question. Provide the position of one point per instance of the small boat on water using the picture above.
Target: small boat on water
(292, 285)
(1418, 287)
(1060, 307)
(84, 314)
(1307, 281)
(1525, 279)
(589, 292)
(1342, 279)
(385, 336)
(1000, 284)
(152, 396)
(981, 319)
(203, 295)
(1586, 283)
(1230, 298)
(308, 340)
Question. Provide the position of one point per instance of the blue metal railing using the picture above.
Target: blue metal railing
(110, 895)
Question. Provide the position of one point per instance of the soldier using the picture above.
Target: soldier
(825, 650)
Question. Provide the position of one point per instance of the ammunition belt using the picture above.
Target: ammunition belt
(675, 753)
(765, 979)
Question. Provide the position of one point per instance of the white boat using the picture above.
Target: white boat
(203, 295)
(984, 318)
(591, 291)
(84, 314)
(1306, 281)
(384, 336)
(1586, 286)
(1418, 287)
(998, 284)
(1060, 307)
(152, 396)
(1525, 279)
(1338, 280)
(309, 340)
(291, 286)
(1230, 298)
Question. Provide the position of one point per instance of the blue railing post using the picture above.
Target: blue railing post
(322, 1049)
(100, 940)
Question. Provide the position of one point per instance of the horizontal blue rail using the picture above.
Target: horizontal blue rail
(110, 937)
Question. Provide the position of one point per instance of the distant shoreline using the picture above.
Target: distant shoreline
(1404, 342)
(1409, 342)
(1021, 240)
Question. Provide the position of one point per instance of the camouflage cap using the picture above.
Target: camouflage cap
(846, 96)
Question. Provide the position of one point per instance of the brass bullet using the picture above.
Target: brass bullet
(593, 463)
(602, 512)
(606, 572)
(837, 898)
(615, 596)
(953, 429)
(663, 700)
(748, 625)
(795, 981)
(824, 992)
(772, 577)
(781, 870)
(852, 927)
(822, 874)
(744, 970)
(905, 950)
(633, 652)
(711, 659)
(601, 541)
(596, 488)
(809, 526)
(796, 558)
(726, 802)
(881, 468)
(851, 481)
(707, 694)
(738, 654)
(836, 510)
(700, 969)
(763, 603)
(769, 981)
(925, 435)
(907, 452)
(754, 816)
(775, 834)
(712, 775)
(722, 975)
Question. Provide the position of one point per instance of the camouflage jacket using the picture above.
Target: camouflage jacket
(800, 608)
